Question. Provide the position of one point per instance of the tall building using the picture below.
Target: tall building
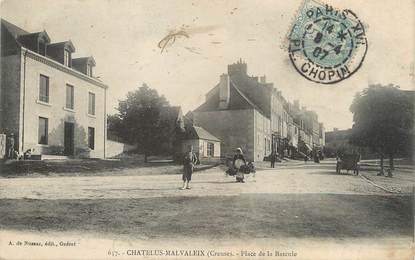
(49, 100)
(237, 111)
(249, 112)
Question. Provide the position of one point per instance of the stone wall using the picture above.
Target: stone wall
(114, 148)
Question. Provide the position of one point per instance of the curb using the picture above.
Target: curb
(378, 186)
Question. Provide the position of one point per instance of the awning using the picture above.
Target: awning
(308, 147)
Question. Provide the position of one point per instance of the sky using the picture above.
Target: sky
(123, 37)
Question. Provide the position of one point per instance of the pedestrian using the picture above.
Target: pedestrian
(189, 161)
(238, 162)
(10, 146)
(273, 159)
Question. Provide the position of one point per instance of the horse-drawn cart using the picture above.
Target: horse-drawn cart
(348, 162)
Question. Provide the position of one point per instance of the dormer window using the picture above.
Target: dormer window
(42, 48)
(67, 58)
(61, 52)
(84, 65)
(89, 70)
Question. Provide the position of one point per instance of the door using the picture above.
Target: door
(69, 138)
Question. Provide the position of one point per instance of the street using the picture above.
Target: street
(288, 203)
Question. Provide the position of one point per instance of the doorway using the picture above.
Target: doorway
(69, 138)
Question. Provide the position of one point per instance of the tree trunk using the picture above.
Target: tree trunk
(145, 157)
(391, 164)
(381, 164)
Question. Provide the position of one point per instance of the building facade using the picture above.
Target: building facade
(50, 101)
(230, 115)
(250, 113)
(205, 145)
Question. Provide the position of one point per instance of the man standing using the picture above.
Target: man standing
(10, 146)
(273, 159)
(189, 161)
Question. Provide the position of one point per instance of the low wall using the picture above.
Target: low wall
(113, 148)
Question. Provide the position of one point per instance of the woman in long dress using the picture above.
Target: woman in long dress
(238, 161)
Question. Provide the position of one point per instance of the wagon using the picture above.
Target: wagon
(348, 162)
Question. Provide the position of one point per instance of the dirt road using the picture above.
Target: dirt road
(289, 207)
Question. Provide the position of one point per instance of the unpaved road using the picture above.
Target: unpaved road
(289, 208)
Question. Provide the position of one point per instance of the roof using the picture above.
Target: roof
(68, 44)
(238, 100)
(13, 29)
(197, 132)
(259, 94)
(35, 35)
(89, 60)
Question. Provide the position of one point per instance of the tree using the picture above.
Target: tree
(138, 121)
(383, 121)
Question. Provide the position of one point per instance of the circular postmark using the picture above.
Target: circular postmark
(326, 45)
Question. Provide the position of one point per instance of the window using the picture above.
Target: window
(91, 138)
(66, 58)
(89, 70)
(211, 149)
(91, 103)
(43, 130)
(44, 89)
(69, 96)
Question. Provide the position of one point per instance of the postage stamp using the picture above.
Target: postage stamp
(326, 45)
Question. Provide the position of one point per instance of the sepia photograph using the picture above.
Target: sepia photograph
(196, 129)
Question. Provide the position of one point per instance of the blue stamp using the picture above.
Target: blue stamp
(326, 45)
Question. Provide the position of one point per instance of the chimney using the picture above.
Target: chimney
(239, 68)
(263, 79)
(224, 91)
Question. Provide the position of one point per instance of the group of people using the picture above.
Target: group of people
(239, 165)
(12, 153)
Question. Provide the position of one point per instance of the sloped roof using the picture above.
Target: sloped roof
(14, 30)
(257, 93)
(237, 100)
(197, 132)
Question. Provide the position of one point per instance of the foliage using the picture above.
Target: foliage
(138, 119)
(383, 120)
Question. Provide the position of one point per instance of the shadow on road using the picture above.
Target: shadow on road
(219, 217)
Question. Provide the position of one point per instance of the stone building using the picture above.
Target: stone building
(248, 112)
(234, 112)
(51, 101)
